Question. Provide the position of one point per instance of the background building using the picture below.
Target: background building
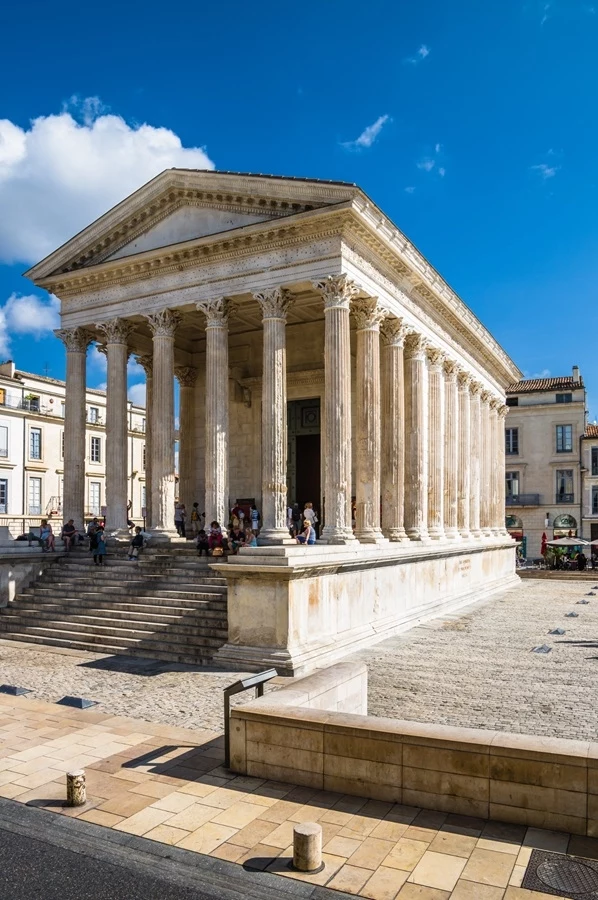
(32, 450)
(544, 433)
(589, 462)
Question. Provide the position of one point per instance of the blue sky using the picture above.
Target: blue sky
(473, 125)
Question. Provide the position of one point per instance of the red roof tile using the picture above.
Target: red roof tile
(591, 431)
(528, 385)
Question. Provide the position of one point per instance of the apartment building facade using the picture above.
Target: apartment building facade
(32, 450)
(545, 473)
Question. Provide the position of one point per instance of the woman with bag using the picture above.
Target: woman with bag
(309, 513)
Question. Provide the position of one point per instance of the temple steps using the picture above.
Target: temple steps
(168, 606)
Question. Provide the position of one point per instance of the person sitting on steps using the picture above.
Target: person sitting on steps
(202, 542)
(136, 544)
(69, 535)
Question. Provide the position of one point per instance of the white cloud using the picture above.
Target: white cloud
(134, 370)
(368, 135)
(442, 171)
(102, 386)
(410, 190)
(67, 169)
(427, 164)
(545, 373)
(437, 148)
(545, 172)
(137, 394)
(420, 55)
(27, 314)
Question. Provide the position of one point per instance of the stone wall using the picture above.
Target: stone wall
(287, 735)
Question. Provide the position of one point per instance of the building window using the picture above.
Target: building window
(594, 460)
(512, 401)
(35, 443)
(35, 496)
(62, 408)
(143, 495)
(143, 457)
(62, 444)
(564, 398)
(96, 450)
(564, 486)
(512, 484)
(95, 488)
(93, 414)
(143, 424)
(3, 496)
(4, 440)
(564, 438)
(512, 441)
(31, 402)
(594, 500)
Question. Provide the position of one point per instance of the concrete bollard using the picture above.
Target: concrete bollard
(75, 788)
(307, 847)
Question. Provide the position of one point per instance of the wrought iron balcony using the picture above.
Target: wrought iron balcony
(523, 500)
(564, 498)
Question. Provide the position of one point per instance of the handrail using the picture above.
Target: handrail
(257, 681)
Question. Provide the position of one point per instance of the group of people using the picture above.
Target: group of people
(215, 543)
(303, 526)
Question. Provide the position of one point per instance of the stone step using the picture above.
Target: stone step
(108, 625)
(58, 589)
(30, 599)
(191, 658)
(108, 574)
(119, 637)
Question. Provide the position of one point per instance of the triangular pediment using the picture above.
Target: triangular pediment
(186, 224)
(184, 205)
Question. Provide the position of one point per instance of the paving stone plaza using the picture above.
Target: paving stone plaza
(431, 673)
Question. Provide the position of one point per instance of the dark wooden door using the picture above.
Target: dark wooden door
(308, 470)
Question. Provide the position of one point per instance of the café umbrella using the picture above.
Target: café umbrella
(567, 542)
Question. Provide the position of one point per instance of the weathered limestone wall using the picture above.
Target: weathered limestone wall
(287, 735)
(297, 608)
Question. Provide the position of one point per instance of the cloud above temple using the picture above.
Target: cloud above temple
(368, 135)
(66, 169)
(27, 314)
(419, 56)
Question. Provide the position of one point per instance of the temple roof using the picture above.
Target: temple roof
(528, 385)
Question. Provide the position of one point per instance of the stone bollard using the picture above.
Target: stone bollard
(75, 788)
(307, 847)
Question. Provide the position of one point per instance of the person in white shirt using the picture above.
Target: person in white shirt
(309, 513)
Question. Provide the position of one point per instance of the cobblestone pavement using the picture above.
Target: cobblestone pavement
(146, 689)
(476, 669)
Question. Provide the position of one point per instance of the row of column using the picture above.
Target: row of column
(429, 455)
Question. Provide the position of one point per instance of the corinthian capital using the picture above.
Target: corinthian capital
(436, 357)
(76, 340)
(216, 311)
(275, 302)
(164, 323)
(503, 409)
(337, 291)
(186, 375)
(368, 314)
(415, 346)
(475, 388)
(464, 379)
(115, 331)
(393, 332)
(486, 396)
(147, 364)
(451, 369)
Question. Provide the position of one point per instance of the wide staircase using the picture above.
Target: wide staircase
(169, 606)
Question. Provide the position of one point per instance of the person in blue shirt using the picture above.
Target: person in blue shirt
(308, 535)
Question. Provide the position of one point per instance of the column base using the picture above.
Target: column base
(420, 536)
(273, 537)
(374, 536)
(452, 534)
(396, 535)
(436, 534)
(465, 534)
(164, 535)
(331, 535)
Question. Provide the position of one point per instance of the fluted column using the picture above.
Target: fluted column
(436, 447)
(187, 377)
(393, 332)
(76, 341)
(476, 460)
(163, 326)
(146, 362)
(368, 316)
(337, 292)
(416, 438)
(485, 468)
(451, 455)
(501, 467)
(464, 455)
(274, 304)
(116, 333)
(217, 312)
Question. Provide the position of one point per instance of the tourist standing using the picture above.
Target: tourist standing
(309, 513)
(295, 520)
(99, 550)
(255, 519)
(179, 519)
(195, 519)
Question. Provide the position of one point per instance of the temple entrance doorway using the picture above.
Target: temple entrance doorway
(303, 473)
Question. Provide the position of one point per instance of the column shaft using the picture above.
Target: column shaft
(501, 466)
(163, 326)
(116, 333)
(416, 442)
(337, 292)
(217, 434)
(485, 468)
(436, 444)
(368, 316)
(187, 378)
(451, 461)
(393, 333)
(76, 341)
(464, 455)
(146, 362)
(476, 450)
(274, 304)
